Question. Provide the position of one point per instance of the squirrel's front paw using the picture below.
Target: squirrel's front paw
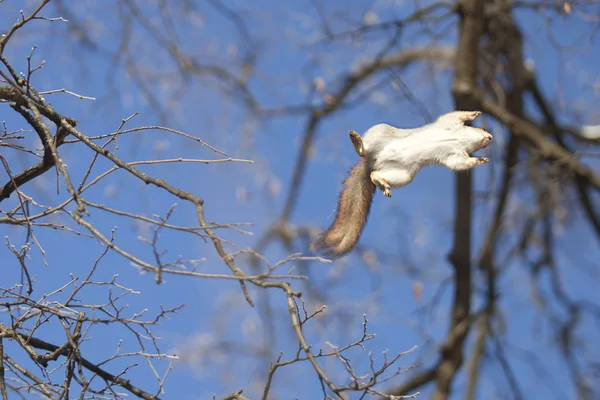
(482, 160)
(387, 192)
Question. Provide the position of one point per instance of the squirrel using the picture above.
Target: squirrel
(391, 158)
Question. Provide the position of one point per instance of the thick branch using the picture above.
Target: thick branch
(21, 102)
(470, 31)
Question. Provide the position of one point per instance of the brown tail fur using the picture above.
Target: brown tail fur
(352, 212)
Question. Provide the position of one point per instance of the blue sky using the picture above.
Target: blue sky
(413, 228)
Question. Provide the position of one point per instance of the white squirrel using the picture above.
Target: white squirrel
(391, 158)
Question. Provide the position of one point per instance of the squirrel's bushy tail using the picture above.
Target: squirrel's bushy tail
(352, 213)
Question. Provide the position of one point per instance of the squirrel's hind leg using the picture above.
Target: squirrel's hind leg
(357, 142)
(391, 177)
(381, 184)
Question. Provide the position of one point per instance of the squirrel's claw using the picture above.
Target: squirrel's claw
(381, 184)
(475, 161)
(467, 116)
(482, 160)
(459, 117)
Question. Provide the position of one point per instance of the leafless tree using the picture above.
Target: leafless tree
(538, 197)
(31, 362)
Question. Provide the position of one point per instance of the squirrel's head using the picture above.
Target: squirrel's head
(468, 137)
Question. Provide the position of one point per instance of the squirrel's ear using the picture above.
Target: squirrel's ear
(357, 142)
(461, 116)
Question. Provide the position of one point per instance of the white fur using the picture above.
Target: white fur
(397, 155)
